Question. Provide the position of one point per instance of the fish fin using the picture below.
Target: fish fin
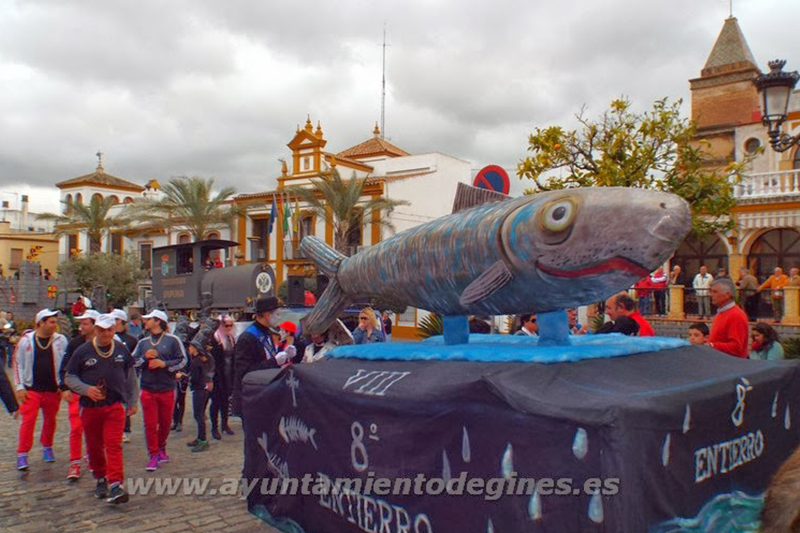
(330, 305)
(326, 258)
(468, 196)
(493, 279)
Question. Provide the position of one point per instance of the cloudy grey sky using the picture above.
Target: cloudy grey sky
(202, 87)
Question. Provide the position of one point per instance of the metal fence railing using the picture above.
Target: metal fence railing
(697, 302)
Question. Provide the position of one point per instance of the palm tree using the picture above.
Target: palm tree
(337, 201)
(189, 202)
(93, 217)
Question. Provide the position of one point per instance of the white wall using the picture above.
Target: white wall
(430, 196)
(765, 162)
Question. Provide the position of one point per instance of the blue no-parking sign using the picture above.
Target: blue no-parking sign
(494, 178)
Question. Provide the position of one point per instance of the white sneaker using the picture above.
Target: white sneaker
(126, 437)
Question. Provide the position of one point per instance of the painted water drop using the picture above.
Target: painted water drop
(665, 451)
(507, 465)
(687, 419)
(445, 467)
(775, 405)
(580, 445)
(535, 506)
(596, 508)
(490, 527)
(466, 454)
(787, 418)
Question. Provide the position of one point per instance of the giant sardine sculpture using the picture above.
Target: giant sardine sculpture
(537, 253)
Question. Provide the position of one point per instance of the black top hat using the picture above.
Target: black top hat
(205, 334)
(266, 304)
(183, 329)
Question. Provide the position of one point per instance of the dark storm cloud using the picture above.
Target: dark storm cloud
(217, 88)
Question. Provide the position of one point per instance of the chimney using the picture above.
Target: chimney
(24, 216)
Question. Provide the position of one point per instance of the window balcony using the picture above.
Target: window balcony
(768, 186)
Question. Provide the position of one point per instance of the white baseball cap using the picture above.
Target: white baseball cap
(120, 314)
(90, 314)
(45, 314)
(106, 321)
(159, 314)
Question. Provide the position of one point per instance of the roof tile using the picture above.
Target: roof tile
(372, 147)
(98, 177)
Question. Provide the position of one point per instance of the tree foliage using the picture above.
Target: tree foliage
(656, 149)
(338, 202)
(430, 326)
(93, 217)
(115, 276)
(189, 202)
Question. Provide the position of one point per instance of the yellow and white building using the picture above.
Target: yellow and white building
(427, 181)
(725, 107)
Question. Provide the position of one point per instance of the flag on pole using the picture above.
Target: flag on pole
(287, 214)
(273, 214)
(296, 216)
(288, 251)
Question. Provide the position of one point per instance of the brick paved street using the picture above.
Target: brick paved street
(43, 501)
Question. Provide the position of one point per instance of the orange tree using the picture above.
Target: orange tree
(656, 149)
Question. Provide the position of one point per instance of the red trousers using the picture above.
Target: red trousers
(75, 428)
(103, 428)
(157, 413)
(49, 403)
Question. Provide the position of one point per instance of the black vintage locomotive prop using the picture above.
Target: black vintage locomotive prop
(181, 282)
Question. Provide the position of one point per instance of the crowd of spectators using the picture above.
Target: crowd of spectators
(652, 292)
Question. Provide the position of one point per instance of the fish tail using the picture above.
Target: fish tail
(334, 300)
(326, 258)
(330, 305)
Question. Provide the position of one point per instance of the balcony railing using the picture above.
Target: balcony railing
(768, 185)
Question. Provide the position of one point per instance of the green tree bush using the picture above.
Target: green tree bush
(116, 276)
(657, 149)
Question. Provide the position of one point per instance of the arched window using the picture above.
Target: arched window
(775, 248)
(796, 162)
(97, 196)
(184, 238)
(79, 198)
(212, 235)
(127, 200)
(114, 199)
(693, 253)
(67, 203)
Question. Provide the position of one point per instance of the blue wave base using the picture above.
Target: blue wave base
(509, 349)
(735, 512)
(285, 524)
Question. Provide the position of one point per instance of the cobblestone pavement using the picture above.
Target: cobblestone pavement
(42, 500)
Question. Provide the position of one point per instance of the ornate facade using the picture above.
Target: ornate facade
(767, 215)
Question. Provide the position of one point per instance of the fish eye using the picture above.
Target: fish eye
(559, 215)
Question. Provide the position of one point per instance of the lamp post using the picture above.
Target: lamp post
(774, 90)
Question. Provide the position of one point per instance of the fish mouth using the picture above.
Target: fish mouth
(615, 264)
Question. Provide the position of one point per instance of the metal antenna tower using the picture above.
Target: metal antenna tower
(383, 87)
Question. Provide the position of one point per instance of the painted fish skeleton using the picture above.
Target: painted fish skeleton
(536, 253)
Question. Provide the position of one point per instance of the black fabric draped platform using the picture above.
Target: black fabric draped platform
(685, 432)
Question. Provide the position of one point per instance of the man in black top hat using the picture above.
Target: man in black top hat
(255, 350)
(201, 378)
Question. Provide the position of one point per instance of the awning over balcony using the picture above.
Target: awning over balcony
(769, 219)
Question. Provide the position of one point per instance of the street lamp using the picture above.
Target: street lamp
(774, 89)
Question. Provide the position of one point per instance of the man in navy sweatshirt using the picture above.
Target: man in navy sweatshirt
(102, 372)
(159, 355)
